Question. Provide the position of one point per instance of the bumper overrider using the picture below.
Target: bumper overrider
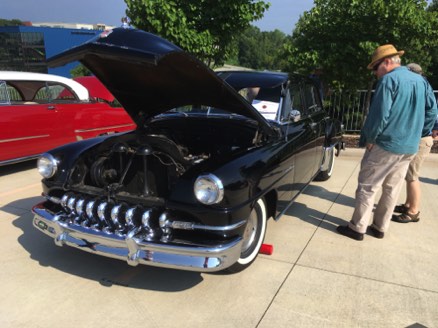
(134, 244)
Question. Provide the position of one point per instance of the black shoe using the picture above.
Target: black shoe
(348, 232)
(376, 233)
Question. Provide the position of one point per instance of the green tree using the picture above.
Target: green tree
(433, 69)
(80, 70)
(260, 50)
(10, 22)
(433, 6)
(339, 37)
(205, 28)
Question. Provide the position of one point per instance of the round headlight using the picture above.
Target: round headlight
(209, 189)
(47, 165)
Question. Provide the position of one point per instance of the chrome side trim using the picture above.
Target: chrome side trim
(133, 250)
(24, 138)
(194, 226)
(104, 128)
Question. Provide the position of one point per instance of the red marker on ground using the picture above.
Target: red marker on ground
(266, 249)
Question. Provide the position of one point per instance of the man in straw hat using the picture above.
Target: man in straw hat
(403, 104)
(410, 210)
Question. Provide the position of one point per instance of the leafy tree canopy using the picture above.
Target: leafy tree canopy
(339, 37)
(260, 50)
(433, 69)
(205, 28)
(10, 22)
(433, 6)
(80, 70)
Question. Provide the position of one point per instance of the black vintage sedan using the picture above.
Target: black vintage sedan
(213, 157)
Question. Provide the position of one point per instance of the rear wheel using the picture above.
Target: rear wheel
(252, 238)
(326, 174)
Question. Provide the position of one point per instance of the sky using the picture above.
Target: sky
(282, 15)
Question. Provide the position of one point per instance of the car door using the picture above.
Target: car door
(89, 120)
(303, 124)
(302, 133)
(317, 119)
(25, 126)
(83, 120)
(298, 152)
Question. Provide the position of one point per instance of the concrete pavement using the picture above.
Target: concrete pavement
(315, 277)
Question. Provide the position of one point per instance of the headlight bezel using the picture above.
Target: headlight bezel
(208, 189)
(47, 165)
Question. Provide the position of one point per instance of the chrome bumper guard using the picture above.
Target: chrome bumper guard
(326, 158)
(135, 251)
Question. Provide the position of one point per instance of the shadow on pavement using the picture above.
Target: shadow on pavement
(108, 272)
(18, 167)
(320, 192)
(315, 217)
(428, 180)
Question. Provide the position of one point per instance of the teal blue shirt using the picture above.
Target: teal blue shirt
(403, 107)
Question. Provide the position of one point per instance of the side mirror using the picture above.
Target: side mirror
(295, 115)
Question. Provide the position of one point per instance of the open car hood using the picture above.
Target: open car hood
(149, 75)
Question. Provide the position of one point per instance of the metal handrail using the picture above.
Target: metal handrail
(350, 108)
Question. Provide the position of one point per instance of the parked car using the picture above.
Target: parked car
(97, 91)
(41, 111)
(193, 186)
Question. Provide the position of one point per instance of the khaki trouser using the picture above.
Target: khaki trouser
(424, 149)
(379, 169)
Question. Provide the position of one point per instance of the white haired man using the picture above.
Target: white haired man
(402, 105)
(410, 210)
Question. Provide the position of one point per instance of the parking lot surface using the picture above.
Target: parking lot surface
(314, 278)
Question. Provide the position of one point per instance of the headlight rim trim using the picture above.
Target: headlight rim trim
(52, 160)
(218, 184)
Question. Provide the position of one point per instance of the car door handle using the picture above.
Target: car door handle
(51, 107)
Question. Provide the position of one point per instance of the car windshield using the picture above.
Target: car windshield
(265, 100)
(199, 109)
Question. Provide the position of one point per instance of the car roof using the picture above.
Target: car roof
(245, 79)
(77, 88)
(239, 79)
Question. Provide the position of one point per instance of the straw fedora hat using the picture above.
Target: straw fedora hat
(382, 52)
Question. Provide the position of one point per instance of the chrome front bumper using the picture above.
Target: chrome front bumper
(135, 251)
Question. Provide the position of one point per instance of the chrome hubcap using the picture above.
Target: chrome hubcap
(250, 231)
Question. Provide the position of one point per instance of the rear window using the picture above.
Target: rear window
(265, 100)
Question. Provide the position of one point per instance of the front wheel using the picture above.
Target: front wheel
(252, 238)
(326, 174)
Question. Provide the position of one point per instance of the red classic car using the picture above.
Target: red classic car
(41, 111)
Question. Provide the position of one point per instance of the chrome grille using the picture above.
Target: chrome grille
(123, 219)
(110, 217)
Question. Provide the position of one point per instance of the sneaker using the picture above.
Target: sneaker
(376, 233)
(348, 232)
